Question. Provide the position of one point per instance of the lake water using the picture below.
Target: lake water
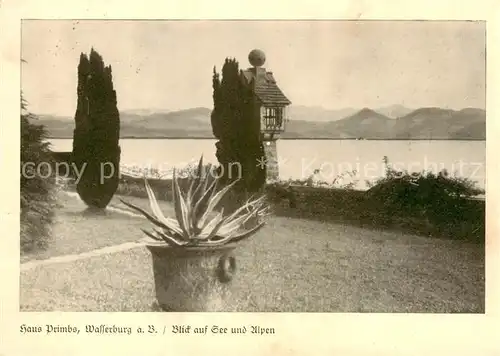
(300, 158)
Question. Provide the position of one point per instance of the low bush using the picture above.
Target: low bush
(440, 198)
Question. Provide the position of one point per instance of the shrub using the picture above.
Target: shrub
(37, 192)
(427, 204)
(438, 197)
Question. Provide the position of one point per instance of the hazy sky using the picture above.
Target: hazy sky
(334, 64)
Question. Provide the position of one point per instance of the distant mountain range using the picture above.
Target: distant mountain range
(393, 122)
(314, 113)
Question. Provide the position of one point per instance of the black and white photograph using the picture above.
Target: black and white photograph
(333, 166)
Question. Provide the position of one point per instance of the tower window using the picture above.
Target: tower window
(272, 119)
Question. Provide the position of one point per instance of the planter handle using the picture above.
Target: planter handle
(226, 268)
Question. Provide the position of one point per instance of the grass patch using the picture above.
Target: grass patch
(76, 229)
(292, 265)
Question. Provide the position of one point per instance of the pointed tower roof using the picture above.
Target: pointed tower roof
(262, 82)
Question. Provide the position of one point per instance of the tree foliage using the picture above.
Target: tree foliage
(96, 147)
(37, 183)
(235, 125)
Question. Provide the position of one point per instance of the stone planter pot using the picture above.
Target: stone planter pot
(192, 279)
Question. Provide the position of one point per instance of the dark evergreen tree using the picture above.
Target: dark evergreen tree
(37, 183)
(96, 148)
(236, 126)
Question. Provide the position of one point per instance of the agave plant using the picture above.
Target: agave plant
(197, 223)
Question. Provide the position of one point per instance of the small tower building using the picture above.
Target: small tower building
(271, 108)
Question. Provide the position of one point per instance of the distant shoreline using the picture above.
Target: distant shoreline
(289, 138)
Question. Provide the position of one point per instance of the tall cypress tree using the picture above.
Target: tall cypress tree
(96, 148)
(236, 126)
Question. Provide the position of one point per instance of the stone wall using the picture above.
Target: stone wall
(271, 152)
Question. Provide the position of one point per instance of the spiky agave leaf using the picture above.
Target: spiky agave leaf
(163, 237)
(170, 239)
(202, 186)
(247, 206)
(251, 208)
(157, 210)
(266, 211)
(236, 221)
(230, 228)
(212, 203)
(200, 207)
(247, 233)
(195, 182)
(191, 181)
(152, 201)
(226, 230)
(153, 236)
(211, 229)
(232, 237)
(195, 187)
(152, 219)
(181, 211)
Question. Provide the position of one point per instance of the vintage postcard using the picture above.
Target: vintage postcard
(286, 169)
